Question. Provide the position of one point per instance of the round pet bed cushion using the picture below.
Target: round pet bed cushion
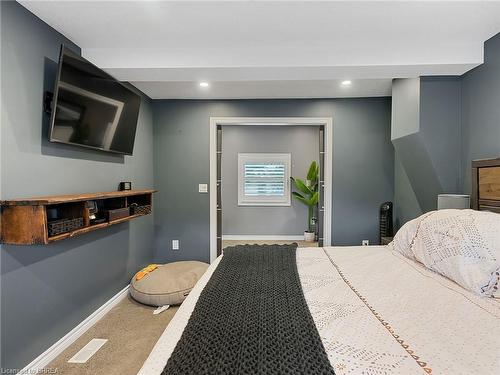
(169, 284)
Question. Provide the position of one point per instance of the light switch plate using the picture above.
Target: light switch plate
(202, 188)
(175, 244)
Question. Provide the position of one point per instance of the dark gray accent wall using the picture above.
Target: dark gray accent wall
(481, 111)
(405, 120)
(406, 206)
(302, 142)
(458, 121)
(47, 290)
(363, 165)
(426, 137)
(440, 129)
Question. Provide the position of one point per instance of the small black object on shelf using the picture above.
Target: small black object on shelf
(125, 185)
(93, 210)
(116, 213)
(98, 220)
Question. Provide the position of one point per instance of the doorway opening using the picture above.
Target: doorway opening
(256, 182)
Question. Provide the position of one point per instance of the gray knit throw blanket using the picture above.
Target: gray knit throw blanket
(251, 318)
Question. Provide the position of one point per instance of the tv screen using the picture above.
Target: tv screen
(92, 109)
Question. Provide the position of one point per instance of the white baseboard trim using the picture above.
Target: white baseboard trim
(51, 353)
(247, 237)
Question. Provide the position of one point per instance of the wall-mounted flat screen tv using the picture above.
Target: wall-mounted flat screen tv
(92, 109)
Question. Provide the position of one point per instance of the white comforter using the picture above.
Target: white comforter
(379, 313)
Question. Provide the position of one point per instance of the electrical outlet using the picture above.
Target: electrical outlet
(202, 188)
(175, 244)
(365, 242)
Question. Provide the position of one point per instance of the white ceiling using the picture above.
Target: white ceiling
(262, 49)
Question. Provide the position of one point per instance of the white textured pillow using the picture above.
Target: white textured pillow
(463, 245)
(405, 236)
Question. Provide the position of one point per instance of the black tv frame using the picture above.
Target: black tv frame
(50, 98)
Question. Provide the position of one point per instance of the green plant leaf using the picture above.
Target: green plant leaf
(312, 174)
(314, 186)
(301, 186)
(301, 198)
(314, 199)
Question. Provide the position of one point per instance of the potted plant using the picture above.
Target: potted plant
(309, 195)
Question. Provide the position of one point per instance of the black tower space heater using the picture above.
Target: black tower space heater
(385, 221)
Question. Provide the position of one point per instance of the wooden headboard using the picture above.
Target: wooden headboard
(486, 185)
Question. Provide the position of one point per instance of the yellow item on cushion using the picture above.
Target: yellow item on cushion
(139, 275)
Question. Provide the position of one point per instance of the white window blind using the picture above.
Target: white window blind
(263, 179)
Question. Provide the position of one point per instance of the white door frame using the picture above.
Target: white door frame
(327, 122)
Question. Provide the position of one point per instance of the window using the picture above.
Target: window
(264, 179)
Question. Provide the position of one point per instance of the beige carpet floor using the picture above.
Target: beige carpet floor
(131, 329)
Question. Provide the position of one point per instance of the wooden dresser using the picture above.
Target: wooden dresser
(486, 185)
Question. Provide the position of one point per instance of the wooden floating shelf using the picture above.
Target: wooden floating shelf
(26, 221)
(54, 199)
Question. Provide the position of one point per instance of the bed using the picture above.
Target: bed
(393, 318)
(377, 311)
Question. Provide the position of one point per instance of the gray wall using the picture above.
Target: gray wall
(405, 123)
(406, 205)
(426, 138)
(47, 290)
(458, 121)
(405, 116)
(363, 172)
(302, 142)
(440, 129)
(481, 111)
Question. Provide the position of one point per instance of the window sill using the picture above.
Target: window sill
(264, 204)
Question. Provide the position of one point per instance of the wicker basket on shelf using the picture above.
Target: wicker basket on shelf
(64, 225)
(140, 210)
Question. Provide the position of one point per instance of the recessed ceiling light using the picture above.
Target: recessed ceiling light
(204, 84)
(346, 83)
